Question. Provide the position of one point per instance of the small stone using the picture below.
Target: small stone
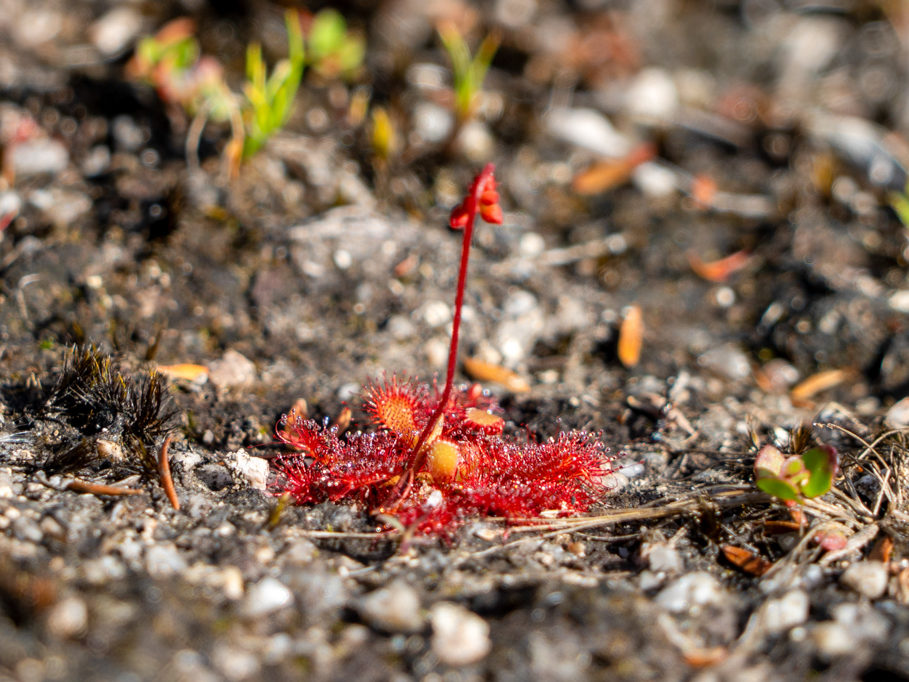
(899, 301)
(459, 637)
(868, 578)
(727, 361)
(863, 621)
(393, 608)
(897, 416)
(37, 157)
(164, 560)
(26, 528)
(475, 142)
(692, 591)
(68, 618)
(587, 128)
(10, 205)
(230, 579)
(233, 370)
(434, 313)
(655, 180)
(782, 613)
(61, 207)
(253, 469)
(128, 135)
(103, 570)
(266, 596)
(432, 123)
(662, 557)
(235, 663)
(832, 640)
(652, 96)
(113, 32)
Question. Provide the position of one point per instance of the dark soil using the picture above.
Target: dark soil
(779, 133)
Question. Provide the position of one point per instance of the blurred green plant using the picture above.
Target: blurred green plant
(269, 99)
(899, 202)
(334, 51)
(383, 137)
(172, 62)
(468, 71)
(795, 478)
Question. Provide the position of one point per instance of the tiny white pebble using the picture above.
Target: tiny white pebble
(459, 637)
(868, 578)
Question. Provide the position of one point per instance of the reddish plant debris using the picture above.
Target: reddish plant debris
(746, 560)
(631, 336)
(718, 271)
(439, 458)
(496, 374)
(882, 549)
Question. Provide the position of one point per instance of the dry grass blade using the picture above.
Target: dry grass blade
(86, 488)
(808, 388)
(485, 371)
(167, 482)
(631, 337)
(660, 509)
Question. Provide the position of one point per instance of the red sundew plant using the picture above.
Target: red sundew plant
(438, 458)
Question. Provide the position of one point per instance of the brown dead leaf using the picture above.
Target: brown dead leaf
(703, 190)
(631, 337)
(746, 560)
(780, 527)
(811, 386)
(882, 549)
(486, 371)
(185, 371)
(704, 657)
(608, 174)
(718, 271)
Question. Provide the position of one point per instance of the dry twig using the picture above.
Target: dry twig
(167, 482)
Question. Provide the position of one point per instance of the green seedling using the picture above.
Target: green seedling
(383, 137)
(468, 71)
(333, 50)
(899, 202)
(269, 98)
(795, 478)
(172, 62)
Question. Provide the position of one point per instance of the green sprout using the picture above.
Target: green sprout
(795, 478)
(171, 61)
(269, 99)
(333, 50)
(468, 72)
(899, 202)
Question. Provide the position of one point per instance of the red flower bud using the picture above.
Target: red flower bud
(459, 217)
(491, 213)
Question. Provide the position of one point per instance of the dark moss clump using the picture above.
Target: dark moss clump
(113, 418)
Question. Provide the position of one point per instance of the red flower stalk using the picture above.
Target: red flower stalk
(440, 457)
(482, 197)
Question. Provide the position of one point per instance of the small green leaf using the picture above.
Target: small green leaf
(821, 463)
(327, 34)
(779, 488)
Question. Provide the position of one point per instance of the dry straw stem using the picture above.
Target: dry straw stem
(724, 497)
(879, 466)
(84, 487)
(167, 482)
